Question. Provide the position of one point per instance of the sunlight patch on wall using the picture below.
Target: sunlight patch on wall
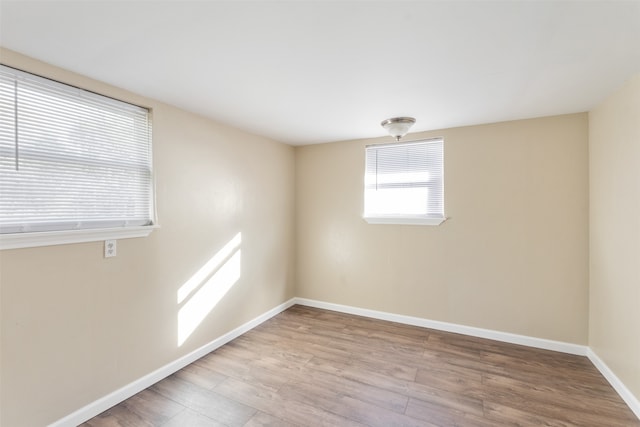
(212, 265)
(204, 290)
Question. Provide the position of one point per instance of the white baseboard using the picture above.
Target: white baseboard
(623, 391)
(91, 410)
(546, 344)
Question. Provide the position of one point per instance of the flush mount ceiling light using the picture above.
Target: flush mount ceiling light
(398, 126)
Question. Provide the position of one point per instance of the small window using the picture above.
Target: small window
(71, 159)
(404, 183)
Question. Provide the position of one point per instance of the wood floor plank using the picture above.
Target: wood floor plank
(445, 399)
(261, 419)
(445, 415)
(200, 375)
(334, 401)
(244, 370)
(443, 358)
(146, 408)
(380, 397)
(571, 400)
(191, 418)
(273, 403)
(549, 410)
(118, 416)
(501, 414)
(313, 367)
(204, 401)
(453, 378)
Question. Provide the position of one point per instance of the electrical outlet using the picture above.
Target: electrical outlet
(109, 248)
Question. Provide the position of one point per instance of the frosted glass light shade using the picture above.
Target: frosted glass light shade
(398, 126)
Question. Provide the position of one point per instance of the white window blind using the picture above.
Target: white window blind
(404, 183)
(71, 159)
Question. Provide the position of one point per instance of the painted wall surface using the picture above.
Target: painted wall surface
(513, 256)
(614, 162)
(76, 326)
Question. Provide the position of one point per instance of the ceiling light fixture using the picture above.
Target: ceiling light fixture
(398, 126)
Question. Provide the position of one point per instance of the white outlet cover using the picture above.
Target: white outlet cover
(109, 248)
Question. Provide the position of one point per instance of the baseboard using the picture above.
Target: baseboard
(623, 391)
(91, 410)
(560, 346)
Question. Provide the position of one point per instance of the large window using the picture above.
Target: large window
(71, 160)
(404, 183)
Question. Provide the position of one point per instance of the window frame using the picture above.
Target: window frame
(52, 238)
(28, 239)
(405, 218)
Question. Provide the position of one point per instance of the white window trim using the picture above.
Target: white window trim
(50, 238)
(405, 220)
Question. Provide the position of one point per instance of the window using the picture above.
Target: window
(71, 160)
(404, 183)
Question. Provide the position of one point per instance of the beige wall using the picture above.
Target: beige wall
(513, 256)
(76, 326)
(614, 162)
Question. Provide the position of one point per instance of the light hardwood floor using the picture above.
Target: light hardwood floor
(308, 367)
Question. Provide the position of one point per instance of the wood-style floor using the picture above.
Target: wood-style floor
(308, 367)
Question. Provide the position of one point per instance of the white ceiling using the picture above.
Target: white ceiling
(305, 72)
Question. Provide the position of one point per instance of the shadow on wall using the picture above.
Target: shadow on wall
(204, 290)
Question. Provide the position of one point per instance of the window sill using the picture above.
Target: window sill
(405, 220)
(50, 238)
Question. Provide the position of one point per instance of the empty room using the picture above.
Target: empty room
(302, 213)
